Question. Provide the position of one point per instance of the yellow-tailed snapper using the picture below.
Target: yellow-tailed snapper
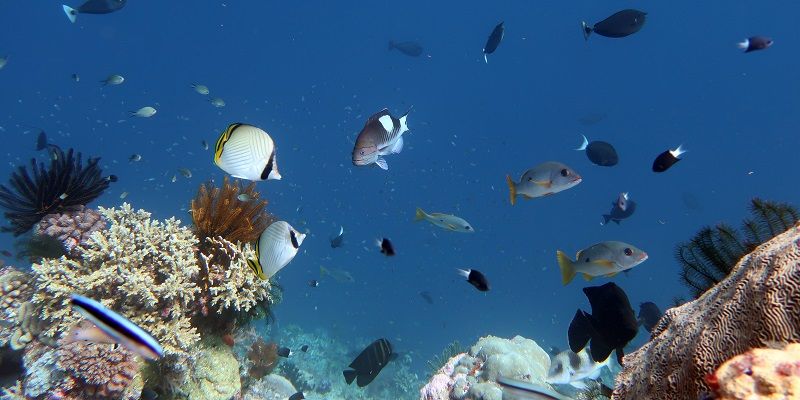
(246, 152)
(275, 248)
(601, 259)
(543, 180)
(445, 221)
(382, 135)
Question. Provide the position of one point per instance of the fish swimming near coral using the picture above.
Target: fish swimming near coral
(621, 209)
(382, 135)
(610, 326)
(649, 315)
(115, 328)
(275, 248)
(444, 221)
(570, 368)
(544, 179)
(247, 152)
(369, 363)
(520, 390)
(601, 259)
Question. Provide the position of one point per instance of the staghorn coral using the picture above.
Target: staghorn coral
(138, 267)
(755, 305)
(759, 374)
(22, 324)
(219, 212)
(71, 227)
(103, 371)
(263, 358)
(711, 254)
(66, 184)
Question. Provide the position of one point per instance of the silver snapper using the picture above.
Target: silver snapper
(382, 135)
(601, 259)
(543, 180)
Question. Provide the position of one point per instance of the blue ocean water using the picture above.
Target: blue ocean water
(310, 73)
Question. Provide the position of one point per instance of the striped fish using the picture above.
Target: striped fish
(246, 152)
(369, 363)
(382, 135)
(521, 390)
(118, 328)
(275, 248)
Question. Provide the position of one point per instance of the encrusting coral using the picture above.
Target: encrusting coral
(100, 370)
(759, 374)
(755, 305)
(220, 212)
(72, 227)
(16, 310)
(263, 358)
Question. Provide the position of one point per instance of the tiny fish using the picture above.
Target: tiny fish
(493, 41)
(135, 158)
(204, 144)
(338, 239)
(602, 259)
(41, 141)
(144, 112)
(6, 253)
(620, 24)
(667, 159)
(412, 49)
(113, 80)
(244, 197)
(174, 178)
(542, 180)
(202, 89)
(3, 61)
(313, 283)
(123, 195)
(284, 352)
(112, 178)
(755, 43)
(621, 209)
(217, 102)
(76, 78)
(387, 248)
(475, 278)
(338, 275)
(185, 172)
(116, 328)
(427, 296)
(444, 221)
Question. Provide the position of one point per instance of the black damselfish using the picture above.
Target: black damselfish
(387, 248)
(475, 278)
(610, 326)
(667, 159)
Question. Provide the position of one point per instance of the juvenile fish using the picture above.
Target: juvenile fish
(113, 80)
(411, 49)
(144, 112)
(667, 159)
(621, 209)
(444, 221)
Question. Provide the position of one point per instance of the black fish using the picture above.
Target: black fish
(112, 178)
(621, 24)
(94, 7)
(412, 49)
(599, 152)
(493, 41)
(649, 314)
(622, 208)
(755, 43)
(41, 141)
(304, 348)
(284, 352)
(297, 396)
(313, 283)
(610, 326)
(427, 296)
(386, 247)
(369, 363)
(338, 239)
(667, 159)
(475, 278)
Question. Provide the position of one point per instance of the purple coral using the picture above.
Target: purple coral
(72, 228)
(99, 370)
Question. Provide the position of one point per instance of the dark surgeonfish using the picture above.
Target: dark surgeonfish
(649, 314)
(382, 135)
(667, 159)
(621, 24)
(610, 326)
(755, 43)
(494, 40)
(599, 152)
(93, 7)
(412, 49)
(369, 363)
(111, 327)
(521, 390)
(621, 209)
(338, 239)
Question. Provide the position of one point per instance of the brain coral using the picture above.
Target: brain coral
(758, 303)
(139, 267)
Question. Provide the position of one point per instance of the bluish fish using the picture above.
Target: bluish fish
(93, 7)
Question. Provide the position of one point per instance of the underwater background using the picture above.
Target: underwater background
(311, 72)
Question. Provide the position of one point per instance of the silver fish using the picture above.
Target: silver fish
(244, 197)
(217, 102)
(135, 158)
(382, 135)
(186, 172)
(444, 221)
(113, 80)
(543, 180)
(144, 112)
(569, 368)
(3, 61)
(202, 89)
(601, 259)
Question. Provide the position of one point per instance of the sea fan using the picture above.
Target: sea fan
(66, 184)
(713, 252)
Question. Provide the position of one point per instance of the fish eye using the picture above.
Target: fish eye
(362, 152)
(468, 227)
(628, 251)
(564, 172)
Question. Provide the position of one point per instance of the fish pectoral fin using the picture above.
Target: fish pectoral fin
(587, 277)
(605, 263)
(398, 146)
(611, 275)
(545, 184)
(382, 164)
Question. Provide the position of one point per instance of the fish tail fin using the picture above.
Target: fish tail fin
(350, 376)
(463, 272)
(584, 144)
(404, 118)
(512, 190)
(606, 218)
(679, 151)
(72, 13)
(744, 44)
(567, 267)
(587, 30)
(420, 215)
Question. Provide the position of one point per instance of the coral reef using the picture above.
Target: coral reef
(214, 376)
(473, 375)
(709, 257)
(20, 325)
(100, 371)
(262, 358)
(755, 305)
(452, 349)
(71, 227)
(139, 267)
(66, 184)
(270, 387)
(34, 248)
(759, 374)
(220, 212)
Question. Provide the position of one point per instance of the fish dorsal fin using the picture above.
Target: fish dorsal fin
(605, 263)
